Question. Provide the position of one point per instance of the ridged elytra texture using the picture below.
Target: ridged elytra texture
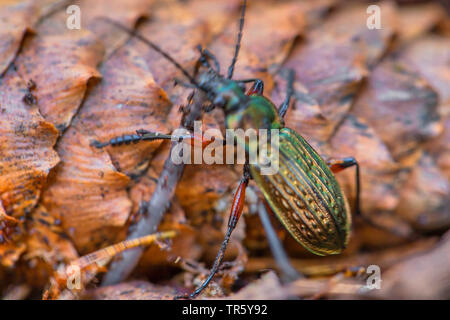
(306, 197)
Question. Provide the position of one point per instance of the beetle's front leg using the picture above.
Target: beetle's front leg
(256, 88)
(205, 54)
(144, 135)
(140, 135)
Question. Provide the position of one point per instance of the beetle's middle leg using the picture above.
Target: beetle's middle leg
(140, 135)
(145, 135)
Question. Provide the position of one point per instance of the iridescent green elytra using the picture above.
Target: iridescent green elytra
(306, 197)
(304, 194)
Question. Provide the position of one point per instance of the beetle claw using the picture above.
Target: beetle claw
(97, 144)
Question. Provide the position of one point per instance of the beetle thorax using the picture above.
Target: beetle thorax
(259, 113)
(223, 93)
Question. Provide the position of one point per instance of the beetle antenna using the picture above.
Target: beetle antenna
(238, 42)
(154, 47)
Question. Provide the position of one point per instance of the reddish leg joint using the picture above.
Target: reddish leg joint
(201, 140)
(257, 88)
(238, 203)
(337, 165)
(236, 211)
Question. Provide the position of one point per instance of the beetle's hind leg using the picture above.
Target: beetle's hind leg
(288, 272)
(337, 165)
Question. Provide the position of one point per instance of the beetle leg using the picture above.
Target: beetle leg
(290, 91)
(289, 273)
(205, 54)
(183, 84)
(202, 140)
(236, 211)
(257, 88)
(209, 108)
(141, 135)
(144, 135)
(337, 165)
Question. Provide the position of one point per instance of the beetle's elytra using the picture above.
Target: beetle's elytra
(306, 197)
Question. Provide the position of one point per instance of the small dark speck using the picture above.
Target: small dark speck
(29, 99)
(44, 222)
(47, 242)
(358, 124)
(126, 292)
(346, 99)
(61, 127)
(356, 38)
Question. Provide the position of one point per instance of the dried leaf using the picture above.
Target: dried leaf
(430, 57)
(60, 93)
(93, 173)
(378, 170)
(425, 197)
(88, 192)
(134, 290)
(430, 272)
(47, 246)
(402, 108)
(16, 18)
(417, 19)
(26, 148)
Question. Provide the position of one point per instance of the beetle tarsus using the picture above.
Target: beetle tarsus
(99, 145)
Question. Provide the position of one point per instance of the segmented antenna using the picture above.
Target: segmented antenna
(154, 47)
(238, 43)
